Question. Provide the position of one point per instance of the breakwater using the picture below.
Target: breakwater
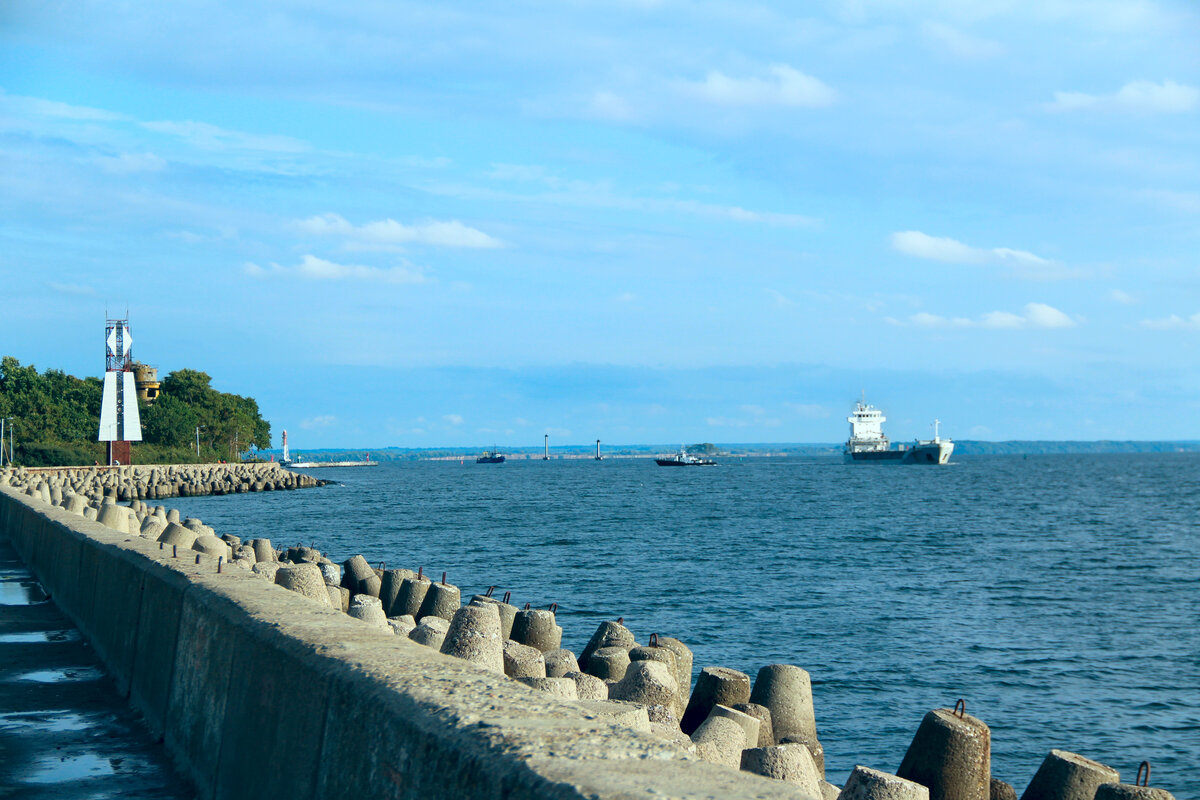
(725, 712)
(160, 482)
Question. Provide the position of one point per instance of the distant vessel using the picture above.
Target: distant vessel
(492, 456)
(868, 444)
(684, 459)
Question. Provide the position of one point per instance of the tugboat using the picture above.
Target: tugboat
(684, 459)
(492, 456)
(868, 444)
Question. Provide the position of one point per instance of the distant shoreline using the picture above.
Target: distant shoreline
(963, 447)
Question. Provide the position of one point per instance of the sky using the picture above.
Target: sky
(429, 224)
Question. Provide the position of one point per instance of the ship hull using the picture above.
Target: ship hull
(673, 462)
(931, 453)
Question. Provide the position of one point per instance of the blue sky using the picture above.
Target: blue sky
(457, 224)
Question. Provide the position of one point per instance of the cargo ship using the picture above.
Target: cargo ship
(684, 459)
(868, 443)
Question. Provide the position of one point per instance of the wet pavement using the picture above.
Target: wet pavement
(65, 731)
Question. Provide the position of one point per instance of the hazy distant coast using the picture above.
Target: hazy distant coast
(963, 447)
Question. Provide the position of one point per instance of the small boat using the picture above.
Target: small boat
(492, 456)
(684, 459)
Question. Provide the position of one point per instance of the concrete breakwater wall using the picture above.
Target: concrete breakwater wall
(158, 482)
(260, 692)
(327, 690)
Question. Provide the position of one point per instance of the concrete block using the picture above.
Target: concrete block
(1068, 776)
(952, 755)
(871, 784)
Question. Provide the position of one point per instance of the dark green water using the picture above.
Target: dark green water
(1058, 595)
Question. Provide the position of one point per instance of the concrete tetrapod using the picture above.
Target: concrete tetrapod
(474, 635)
(442, 600)
(412, 594)
(115, 517)
(588, 687)
(952, 755)
(721, 741)
(303, 579)
(263, 550)
(1000, 790)
(1068, 776)
(176, 534)
(871, 784)
(389, 588)
(536, 627)
(359, 578)
(749, 724)
(560, 662)
(608, 634)
(430, 631)
(508, 612)
(608, 663)
(1129, 791)
(766, 734)
(366, 608)
(786, 691)
(714, 685)
(523, 661)
(402, 625)
(649, 683)
(211, 545)
(665, 655)
(785, 762)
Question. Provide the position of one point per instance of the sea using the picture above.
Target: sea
(1057, 595)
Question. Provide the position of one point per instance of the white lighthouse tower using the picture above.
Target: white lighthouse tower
(119, 420)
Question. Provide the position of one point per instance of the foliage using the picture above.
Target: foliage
(57, 417)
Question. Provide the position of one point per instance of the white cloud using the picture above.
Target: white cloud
(959, 44)
(313, 268)
(786, 87)
(1124, 298)
(1174, 322)
(1167, 97)
(936, 248)
(127, 163)
(1036, 315)
(388, 233)
(211, 137)
(453, 419)
(951, 251)
(323, 421)
(809, 410)
(37, 106)
(74, 289)
(610, 106)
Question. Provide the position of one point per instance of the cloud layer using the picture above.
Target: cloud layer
(318, 269)
(388, 233)
(1167, 97)
(1035, 315)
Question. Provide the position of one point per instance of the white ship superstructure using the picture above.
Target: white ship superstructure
(867, 441)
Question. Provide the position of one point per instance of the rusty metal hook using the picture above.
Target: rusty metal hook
(654, 640)
(960, 707)
(220, 561)
(507, 595)
(443, 579)
(197, 558)
(420, 573)
(488, 593)
(174, 551)
(1139, 781)
(620, 620)
(527, 606)
(383, 565)
(554, 608)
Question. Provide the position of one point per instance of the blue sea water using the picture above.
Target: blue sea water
(1059, 596)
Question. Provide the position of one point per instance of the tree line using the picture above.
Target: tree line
(57, 419)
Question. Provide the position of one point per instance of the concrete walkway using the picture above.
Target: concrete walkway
(65, 732)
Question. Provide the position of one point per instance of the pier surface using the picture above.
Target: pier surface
(65, 732)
